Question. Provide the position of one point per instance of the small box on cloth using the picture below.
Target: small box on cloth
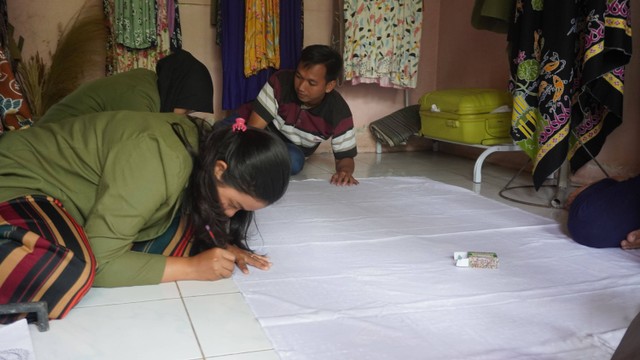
(476, 259)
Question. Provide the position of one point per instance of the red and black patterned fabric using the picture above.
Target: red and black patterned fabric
(45, 254)
(14, 110)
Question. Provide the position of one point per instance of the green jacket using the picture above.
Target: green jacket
(135, 90)
(121, 175)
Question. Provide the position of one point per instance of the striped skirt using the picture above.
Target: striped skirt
(45, 254)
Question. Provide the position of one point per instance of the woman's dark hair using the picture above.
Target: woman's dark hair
(257, 165)
(322, 54)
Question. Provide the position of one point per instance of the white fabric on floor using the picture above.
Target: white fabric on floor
(367, 272)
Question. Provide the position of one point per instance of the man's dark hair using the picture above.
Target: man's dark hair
(322, 54)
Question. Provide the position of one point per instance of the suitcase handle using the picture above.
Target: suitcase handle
(495, 127)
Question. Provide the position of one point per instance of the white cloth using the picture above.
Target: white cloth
(15, 341)
(367, 272)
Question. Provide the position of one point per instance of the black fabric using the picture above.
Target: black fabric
(184, 82)
(567, 70)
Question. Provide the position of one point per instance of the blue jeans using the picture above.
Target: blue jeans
(296, 158)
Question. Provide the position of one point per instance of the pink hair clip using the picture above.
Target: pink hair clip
(239, 125)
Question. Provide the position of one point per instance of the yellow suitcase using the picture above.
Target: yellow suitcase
(467, 116)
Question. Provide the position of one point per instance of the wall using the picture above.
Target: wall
(453, 54)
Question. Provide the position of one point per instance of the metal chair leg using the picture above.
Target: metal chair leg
(40, 308)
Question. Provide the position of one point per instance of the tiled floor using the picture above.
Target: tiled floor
(210, 320)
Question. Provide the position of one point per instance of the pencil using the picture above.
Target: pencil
(209, 231)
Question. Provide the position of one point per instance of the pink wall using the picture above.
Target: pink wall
(453, 54)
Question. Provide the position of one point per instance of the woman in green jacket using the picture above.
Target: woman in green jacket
(180, 84)
(129, 198)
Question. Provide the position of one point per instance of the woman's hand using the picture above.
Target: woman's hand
(244, 258)
(212, 264)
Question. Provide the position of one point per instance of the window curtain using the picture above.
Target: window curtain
(141, 32)
(238, 88)
(382, 41)
(567, 77)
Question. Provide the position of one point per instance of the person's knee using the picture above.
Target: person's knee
(603, 214)
(593, 239)
(594, 230)
(297, 164)
(296, 158)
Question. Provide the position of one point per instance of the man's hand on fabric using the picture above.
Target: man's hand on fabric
(342, 178)
(344, 173)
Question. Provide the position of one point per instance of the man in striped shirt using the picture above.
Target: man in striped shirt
(303, 107)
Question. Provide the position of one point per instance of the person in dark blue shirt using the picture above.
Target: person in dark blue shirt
(606, 213)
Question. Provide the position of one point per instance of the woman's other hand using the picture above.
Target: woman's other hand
(245, 258)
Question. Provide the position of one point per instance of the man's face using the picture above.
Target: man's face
(310, 84)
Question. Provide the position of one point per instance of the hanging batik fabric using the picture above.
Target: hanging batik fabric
(15, 112)
(382, 42)
(135, 23)
(238, 88)
(567, 74)
(261, 33)
(121, 57)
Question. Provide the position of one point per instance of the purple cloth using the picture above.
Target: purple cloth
(236, 88)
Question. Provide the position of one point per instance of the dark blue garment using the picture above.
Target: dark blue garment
(296, 158)
(236, 88)
(605, 212)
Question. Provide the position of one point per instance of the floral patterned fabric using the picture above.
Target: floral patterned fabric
(567, 75)
(261, 34)
(135, 23)
(14, 110)
(382, 42)
(168, 37)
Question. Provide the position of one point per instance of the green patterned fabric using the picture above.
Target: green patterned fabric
(135, 23)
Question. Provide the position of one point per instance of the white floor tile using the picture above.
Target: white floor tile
(154, 330)
(131, 294)
(199, 288)
(225, 325)
(258, 355)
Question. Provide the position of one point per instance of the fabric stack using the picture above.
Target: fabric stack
(396, 128)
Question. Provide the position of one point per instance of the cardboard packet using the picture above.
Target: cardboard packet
(476, 259)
